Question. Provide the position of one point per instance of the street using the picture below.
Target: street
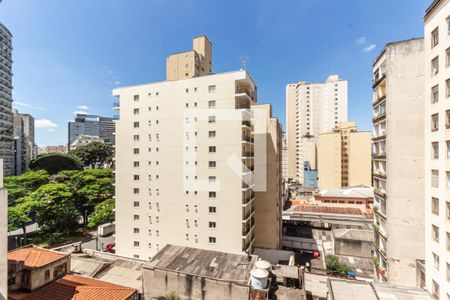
(102, 242)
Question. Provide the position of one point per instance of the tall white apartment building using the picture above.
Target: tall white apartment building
(3, 237)
(312, 108)
(437, 148)
(184, 165)
(397, 160)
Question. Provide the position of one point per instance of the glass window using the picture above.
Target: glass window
(435, 206)
(435, 94)
(212, 89)
(435, 150)
(435, 66)
(435, 178)
(435, 37)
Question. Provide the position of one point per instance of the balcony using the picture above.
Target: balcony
(378, 117)
(116, 105)
(380, 192)
(378, 80)
(245, 186)
(248, 154)
(379, 137)
(380, 174)
(378, 100)
(246, 200)
(246, 230)
(247, 124)
(246, 217)
(247, 139)
(379, 155)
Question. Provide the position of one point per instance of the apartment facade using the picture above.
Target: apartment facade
(25, 149)
(268, 190)
(6, 115)
(398, 160)
(311, 108)
(344, 157)
(3, 237)
(184, 165)
(437, 149)
(284, 157)
(93, 125)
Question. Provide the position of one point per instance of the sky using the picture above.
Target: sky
(69, 55)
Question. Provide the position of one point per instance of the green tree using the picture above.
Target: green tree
(103, 212)
(94, 155)
(334, 266)
(22, 185)
(54, 208)
(56, 162)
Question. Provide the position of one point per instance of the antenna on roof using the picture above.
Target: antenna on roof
(244, 62)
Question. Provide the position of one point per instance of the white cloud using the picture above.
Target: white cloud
(81, 112)
(51, 129)
(23, 104)
(84, 107)
(45, 123)
(370, 48)
(361, 40)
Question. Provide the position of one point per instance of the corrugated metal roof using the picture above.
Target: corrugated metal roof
(351, 192)
(354, 234)
(329, 210)
(204, 263)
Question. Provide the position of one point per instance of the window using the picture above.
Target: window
(136, 217)
(136, 164)
(447, 88)
(434, 122)
(211, 89)
(212, 149)
(136, 150)
(135, 230)
(435, 178)
(447, 57)
(448, 149)
(448, 179)
(136, 97)
(136, 137)
(60, 270)
(187, 90)
(448, 273)
(211, 164)
(47, 275)
(448, 24)
(435, 150)
(448, 241)
(212, 224)
(435, 206)
(436, 261)
(212, 209)
(212, 119)
(136, 177)
(435, 66)
(212, 240)
(136, 244)
(212, 104)
(136, 191)
(136, 111)
(435, 37)
(211, 134)
(435, 94)
(212, 194)
(435, 233)
(447, 118)
(212, 179)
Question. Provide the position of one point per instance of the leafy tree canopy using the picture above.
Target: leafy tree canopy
(22, 185)
(56, 162)
(94, 155)
(103, 212)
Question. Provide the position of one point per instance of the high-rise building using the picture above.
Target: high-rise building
(193, 63)
(310, 175)
(344, 157)
(398, 160)
(3, 237)
(268, 190)
(284, 158)
(437, 149)
(6, 115)
(311, 108)
(185, 155)
(92, 125)
(25, 148)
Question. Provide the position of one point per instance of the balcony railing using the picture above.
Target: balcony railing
(116, 105)
(246, 123)
(248, 139)
(379, 155)
(377, 81)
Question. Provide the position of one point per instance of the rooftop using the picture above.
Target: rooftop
(354, 234)
(313, 209)
(81, 288)
(203, 263)
(33, 257)
(350, 192)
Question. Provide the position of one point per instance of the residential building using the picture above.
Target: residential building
(3, 237)
(184, 165)
(6, 115)
(30, 268)
(284, 157)
(358, 196)
(83, 140)
(193, 273)
(268, 188)
(53, 149)
(25, 148)
(437, 148)
(310, 175)
(344, 157)
(398, 160)
(93, 125)
(311, 108)
(193, 63)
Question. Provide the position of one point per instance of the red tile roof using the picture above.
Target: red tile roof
(330, 210)
(74, 287)
(35, 257)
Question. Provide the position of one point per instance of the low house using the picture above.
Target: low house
(75, 287)
(191, 273)
(353, 242)
(30, 268)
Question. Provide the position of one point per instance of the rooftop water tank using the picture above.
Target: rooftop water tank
(258, 278)
(262, 264)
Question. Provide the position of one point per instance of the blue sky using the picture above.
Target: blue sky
(69, 55)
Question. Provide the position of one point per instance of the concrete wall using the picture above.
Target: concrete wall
(359, 159)
(329, 161)
(353, 248)
(158, 283)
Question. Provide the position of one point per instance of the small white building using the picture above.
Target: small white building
(84, 140)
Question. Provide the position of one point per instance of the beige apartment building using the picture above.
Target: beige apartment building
(268, 198)
(311, 108)
(397, 141)
(193, 63)
(344, 157)
(437, 149)
(185, 162)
